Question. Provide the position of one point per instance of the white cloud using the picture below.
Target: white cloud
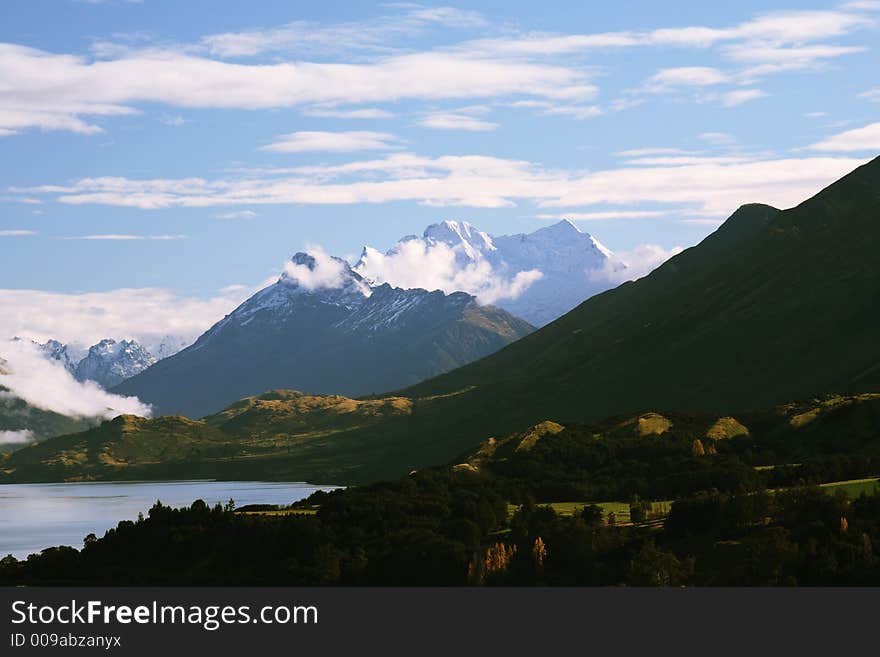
(668, 79)
(734, 98)
(370, 61)
(713, 189)
(771, 58)
(16, 437)
(326, 273)
(314, 38)
(718, 138)
(116, 237)
(554, 109)
(415, 263)
(172, 120)
(862, 5)
(453, 121)
(866, 139)
(777, 27)
(362, 113)
(687, 160)
(53, 92)
(640, 261)
(144, 314)
(871, 94)
(46, 384)
(606, 214)
(643, 152)
(17, 233)
(238, 214)
(708, 186)
(536, 44)
(330, 142)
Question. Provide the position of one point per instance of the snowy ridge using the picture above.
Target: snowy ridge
(109, 362)
(358, 306)
(563, 266)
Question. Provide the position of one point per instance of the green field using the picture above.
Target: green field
(854, 487)
(619, 509)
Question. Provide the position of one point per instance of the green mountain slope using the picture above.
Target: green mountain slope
(772, 306)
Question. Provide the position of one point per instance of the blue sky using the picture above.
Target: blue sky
(162, 158)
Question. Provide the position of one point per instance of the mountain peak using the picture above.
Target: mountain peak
(458, 232)
(109, 362)
(565, 227)
(319, 271)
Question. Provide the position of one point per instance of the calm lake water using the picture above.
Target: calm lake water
(37, 516)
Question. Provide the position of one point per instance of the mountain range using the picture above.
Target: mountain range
(324, 329)
(558, 266)
(108, 363)
(775, 305)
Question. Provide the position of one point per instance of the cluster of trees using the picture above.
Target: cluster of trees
(423, 529)
(729, 525)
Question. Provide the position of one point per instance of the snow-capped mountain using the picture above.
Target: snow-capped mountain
(168, 346)
(538, 276)
(323, 328)
(109, 362)
(54, 350)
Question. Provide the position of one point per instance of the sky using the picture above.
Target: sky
(160, 160)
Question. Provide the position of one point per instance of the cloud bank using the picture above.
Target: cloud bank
(416, 263)
(16, 437)
(702, 186)
(144, 314)
(46, 384)
(326, 272)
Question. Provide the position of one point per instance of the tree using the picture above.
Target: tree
(493, 565)
(654, 567)
(639, 509)
(539, 552)
(592, 515)
(697, 448)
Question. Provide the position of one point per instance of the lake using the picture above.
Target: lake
(37, 516)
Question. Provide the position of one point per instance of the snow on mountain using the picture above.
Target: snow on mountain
(54, 350)
(537, 276)
(167, 346)
(109, 362)
(322, 328)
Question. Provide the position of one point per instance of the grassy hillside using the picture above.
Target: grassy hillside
(283, 434)
(289, 435)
